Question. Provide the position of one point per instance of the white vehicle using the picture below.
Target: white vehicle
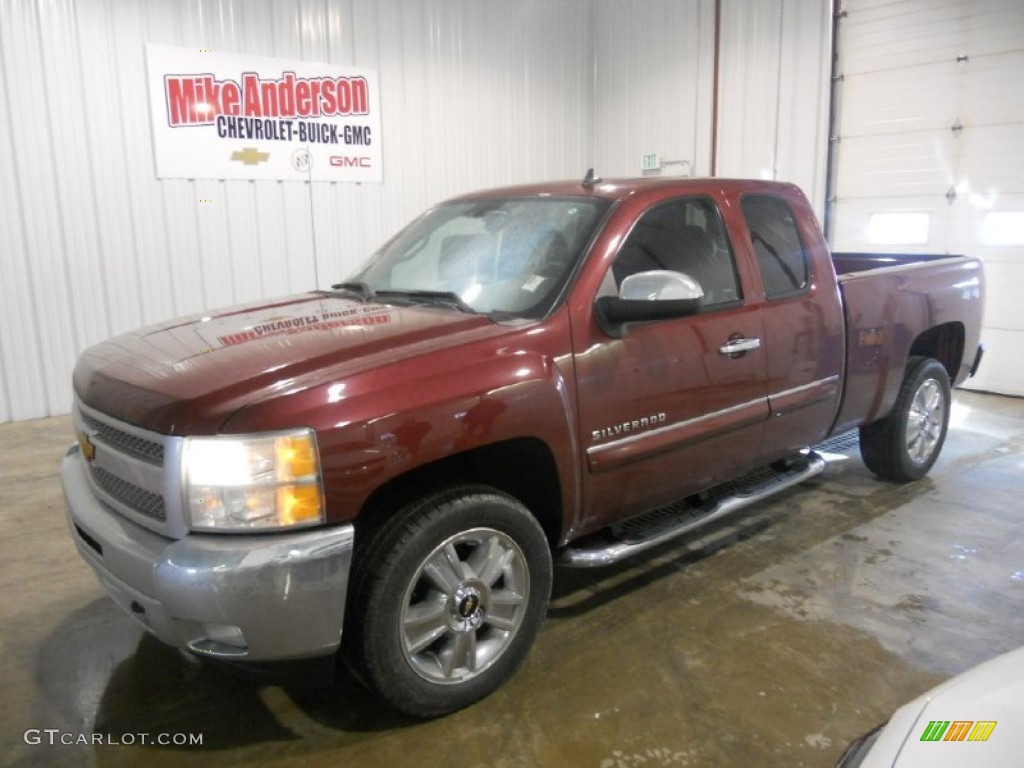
(972, 720)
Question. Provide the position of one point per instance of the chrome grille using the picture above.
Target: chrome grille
(147, 450)
(142, 501)
(134, 471)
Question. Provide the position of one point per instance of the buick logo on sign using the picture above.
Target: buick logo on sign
(302, 161)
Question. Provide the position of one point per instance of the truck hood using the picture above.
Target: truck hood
(188, 376)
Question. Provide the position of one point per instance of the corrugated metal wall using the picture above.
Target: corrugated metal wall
(774, 92)
(655, 89)
(474, 94)
(655, 77)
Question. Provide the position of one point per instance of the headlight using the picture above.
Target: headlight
(253, 482)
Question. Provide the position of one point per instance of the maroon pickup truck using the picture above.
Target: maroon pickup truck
(564, 373)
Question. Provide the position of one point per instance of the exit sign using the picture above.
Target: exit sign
(650, 162)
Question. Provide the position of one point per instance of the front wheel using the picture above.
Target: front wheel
(447, 600)
(904, 445)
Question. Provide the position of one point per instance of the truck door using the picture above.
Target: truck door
(802, 319)
(670, 407)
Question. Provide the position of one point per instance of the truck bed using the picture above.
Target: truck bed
(852, 263)
(887, 300)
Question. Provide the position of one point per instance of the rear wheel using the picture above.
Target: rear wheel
(447, 600)
(904, 445)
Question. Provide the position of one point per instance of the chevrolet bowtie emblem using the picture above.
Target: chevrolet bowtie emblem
(250, 156)
(88, 449)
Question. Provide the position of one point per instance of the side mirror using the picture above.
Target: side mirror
(656, 295)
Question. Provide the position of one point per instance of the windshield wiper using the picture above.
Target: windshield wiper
(356, 288)
(442, 298)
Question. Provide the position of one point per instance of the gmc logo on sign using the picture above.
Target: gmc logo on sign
(344, 161)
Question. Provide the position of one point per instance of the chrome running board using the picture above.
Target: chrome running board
(651, 529)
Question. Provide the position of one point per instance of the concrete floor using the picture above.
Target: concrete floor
(773, 639)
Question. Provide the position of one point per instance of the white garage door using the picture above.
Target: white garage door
(930, 152)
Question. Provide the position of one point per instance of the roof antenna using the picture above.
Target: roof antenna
(590, 179)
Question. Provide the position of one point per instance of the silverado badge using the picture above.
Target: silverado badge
(636, 425)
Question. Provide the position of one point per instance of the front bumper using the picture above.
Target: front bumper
(261, 597)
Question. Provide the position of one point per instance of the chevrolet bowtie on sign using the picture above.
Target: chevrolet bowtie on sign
(231, 116)
(250, 156)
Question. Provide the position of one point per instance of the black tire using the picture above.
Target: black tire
(467, 572)
(904, 445)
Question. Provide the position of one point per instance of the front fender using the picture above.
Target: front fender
(384, 422)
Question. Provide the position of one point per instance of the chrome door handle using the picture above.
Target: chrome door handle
(738, 346)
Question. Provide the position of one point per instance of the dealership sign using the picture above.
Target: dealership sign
(229, 116)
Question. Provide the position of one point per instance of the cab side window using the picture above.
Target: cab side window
(683, 235)
(780, 254)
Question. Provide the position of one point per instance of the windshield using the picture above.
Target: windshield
(489, 256)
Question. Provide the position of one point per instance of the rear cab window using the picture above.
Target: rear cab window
(780, 253)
